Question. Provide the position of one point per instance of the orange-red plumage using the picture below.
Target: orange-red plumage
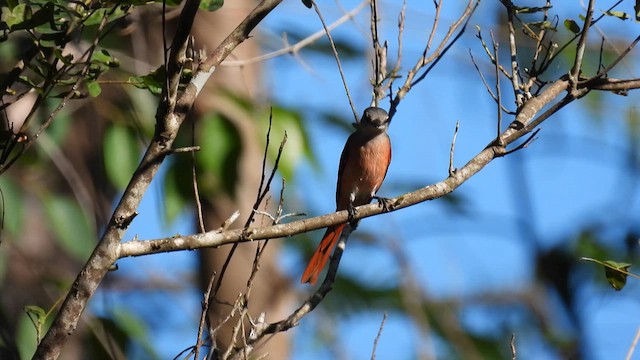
(321, 255)
(363, 166)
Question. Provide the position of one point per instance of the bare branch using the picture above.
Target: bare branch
(452, 170)
(169, 117)
(412, 76)
(295, 48)
(498, 92)
(608, 68)
(582, 45)
(196, 191)
(490, 55)
(525, 122)
(379, 72)
(48, 87)
(515, 71)
(203, 315)
(263, 190)
(486, 85)
(375, 342)
(337, 57)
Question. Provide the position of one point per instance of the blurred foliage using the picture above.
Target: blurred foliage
(37, 42)
(71, 226)
(34, 39)
(119, 336)
(221, 146)
(122, 153)
(56, 52)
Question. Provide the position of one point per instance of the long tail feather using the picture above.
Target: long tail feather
(321, 255)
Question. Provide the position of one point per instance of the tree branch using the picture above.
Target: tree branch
(169, 117)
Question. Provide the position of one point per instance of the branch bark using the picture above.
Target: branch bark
(525, 122)
(171, 113)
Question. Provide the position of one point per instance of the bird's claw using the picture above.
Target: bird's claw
(352, 214)
(386, 203)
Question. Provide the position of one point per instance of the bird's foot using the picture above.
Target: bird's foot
(352, 213)
(386, 203)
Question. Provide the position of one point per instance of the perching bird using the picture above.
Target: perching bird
(363, 166)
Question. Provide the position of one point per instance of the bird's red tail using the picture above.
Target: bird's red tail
(320, 257)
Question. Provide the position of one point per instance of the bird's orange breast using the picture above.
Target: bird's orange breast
(364, 167)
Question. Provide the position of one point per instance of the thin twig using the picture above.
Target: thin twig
(524, 144)
(194, 180)
(49, 86)
(490, 55)
(337, 57)
(375, 342)
(413, 77)
(498, 92)
(526, 121)
(170, 117)
(512, 345)
(397, 67)
(484, 81)
(295, 48)
(570, 41)
(452, 170)
(582, 45)
(434, 27)
(513, 49)
(203, 315)
(378, 73)
(615, 62)
(634, 343)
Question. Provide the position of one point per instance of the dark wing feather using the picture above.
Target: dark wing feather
(343, 163)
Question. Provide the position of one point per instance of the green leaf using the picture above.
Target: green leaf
(352, 295)
(211, 5)
(615, 273)
(22, 17)
(154, 81)
(220, 147)
(70, 225)
(125, 330)
(619, 14)
(96, 16)
(94, 88)
(59, 129)
(12, 206)
(26, 337)
(17, 15)
(530, 9)
(121, 154)
(104, 57)
(636, 9)
(65, 59)
(174, 199)
(38, 313)
(572, 26)
(135, 329)
(547, 25)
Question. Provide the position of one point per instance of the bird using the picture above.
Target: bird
(363, 166)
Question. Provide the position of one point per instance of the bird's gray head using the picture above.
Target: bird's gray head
(374, 118)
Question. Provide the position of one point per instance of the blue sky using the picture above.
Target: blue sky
(572, 171)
